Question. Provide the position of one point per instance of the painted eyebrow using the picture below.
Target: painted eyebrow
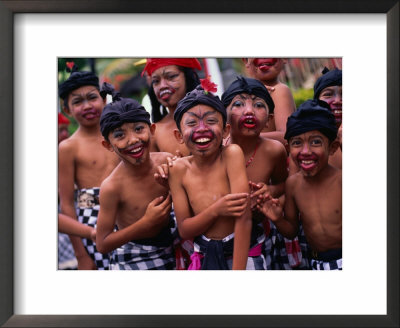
(205, 114)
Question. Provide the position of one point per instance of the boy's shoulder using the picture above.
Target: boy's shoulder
(232, 150)
(68, 145)
(273, 148)
(180, 166)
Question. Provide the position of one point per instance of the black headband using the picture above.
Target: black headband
(196, 97)
(312, 115)
(250, 87)
(329, 78)
(76, 80)
(120, 111)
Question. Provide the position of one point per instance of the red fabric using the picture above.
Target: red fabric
(153, 64)
(62, 119)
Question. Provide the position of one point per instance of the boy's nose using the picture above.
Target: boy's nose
(305, 149)
(248, 109)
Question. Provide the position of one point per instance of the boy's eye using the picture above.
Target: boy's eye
(190, 123)
(237, 103)
(139, 128)
(212, 121)
(316, 142)
(93, 96)
(295, 143)
(154, 81)
(260, 104)
(76, 101)
(326, 94)
(118, 134)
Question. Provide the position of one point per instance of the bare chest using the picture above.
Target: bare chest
(205, 189)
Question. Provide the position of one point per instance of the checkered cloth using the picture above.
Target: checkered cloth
(148, 254)
(285, 254)
(331, 265)
(66, 254)
(255, 260)
(87, 211)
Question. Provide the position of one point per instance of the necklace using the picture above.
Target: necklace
(251, 157)
(250, 160)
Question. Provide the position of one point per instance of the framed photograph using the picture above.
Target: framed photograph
(34, 34)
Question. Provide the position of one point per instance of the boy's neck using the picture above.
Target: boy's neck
(324, 174)
(140, 169)
(207, 161)
(89, 131)
(247, 143)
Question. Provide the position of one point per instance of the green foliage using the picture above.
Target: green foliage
(301, 95)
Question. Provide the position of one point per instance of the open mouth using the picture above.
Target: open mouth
(202, 141)
(307, 165)
(135, 151)
(90, 114)
(249, 122)
(165, 94)
(265, 64)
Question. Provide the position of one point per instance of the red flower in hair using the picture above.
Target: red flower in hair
(207, 85)
(70, 65)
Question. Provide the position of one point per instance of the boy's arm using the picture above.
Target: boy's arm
(190, 226)
(66, 172)
(238, 181)
(70, 226)
(147, 226)
(279, 174)
(284, 107)
(286, 221)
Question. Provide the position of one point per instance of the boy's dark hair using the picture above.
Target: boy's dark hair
(329, 78)
(120, 111)
(311, 115)
(196, 97)
(76, 80)
(249, 86)
(158, 112)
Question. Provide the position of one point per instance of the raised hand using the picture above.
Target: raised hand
(258, 192)
(272, 208)
(231, 205)
(158, 210)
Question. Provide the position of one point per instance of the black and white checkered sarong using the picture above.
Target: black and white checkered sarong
(148, 254)
(87, 212)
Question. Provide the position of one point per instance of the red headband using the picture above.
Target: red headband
(62, 119)
(153, 64)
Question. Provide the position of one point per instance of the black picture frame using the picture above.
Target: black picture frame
(7, 11)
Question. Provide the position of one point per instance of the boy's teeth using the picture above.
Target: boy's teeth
(202, 140)
(307, 162)
(136, 150)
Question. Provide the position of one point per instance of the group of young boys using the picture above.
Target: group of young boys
(223, 195)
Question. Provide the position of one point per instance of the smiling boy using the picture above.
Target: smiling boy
(315, 191)
(328, 88)
(131, 199)
(210, 189)
(82, 161)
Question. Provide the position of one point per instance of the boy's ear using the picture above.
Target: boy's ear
(107, 145)
(227, 130)
(66, 110)
(152, 128)
(178, 136)
(333, 147)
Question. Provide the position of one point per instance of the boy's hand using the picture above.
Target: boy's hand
(231, 205)
(93, 235)
(272, 208)
(158, 210)
(162, 175)
(258, 193)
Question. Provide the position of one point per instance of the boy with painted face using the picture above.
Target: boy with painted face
(267, 71)
(249, 105)
(328, 88)
(82, 161)
(171, 79)
(130, 197)
(316, 190)
(210, 188)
